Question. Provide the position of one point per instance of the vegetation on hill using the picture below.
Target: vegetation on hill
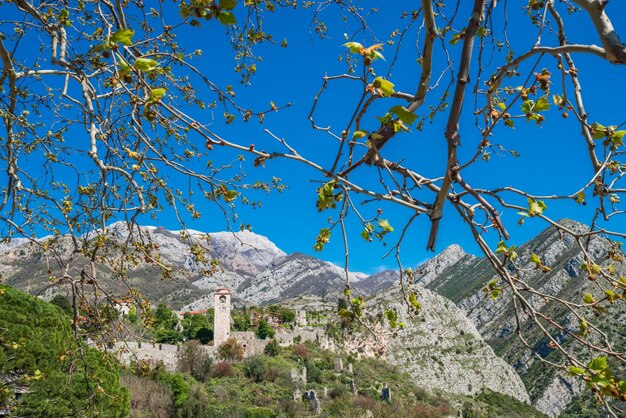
(43, 365)
(262, 386)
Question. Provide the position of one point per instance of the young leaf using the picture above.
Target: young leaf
(359, 134)
(228, 4)
(157, 94)
(226, 18)
(145, 64)
(542, 104)
(384, 87)
(404, 114)
(354, 47)
(124, 36)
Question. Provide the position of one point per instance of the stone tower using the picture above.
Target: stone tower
(221, 325)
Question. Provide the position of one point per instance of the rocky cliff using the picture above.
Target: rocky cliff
(439, 347)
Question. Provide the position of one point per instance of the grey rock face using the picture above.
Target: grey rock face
(292, 276)
(440, 347)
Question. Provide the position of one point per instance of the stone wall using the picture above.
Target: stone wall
(152, 353)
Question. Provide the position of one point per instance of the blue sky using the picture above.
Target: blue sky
(552, 156)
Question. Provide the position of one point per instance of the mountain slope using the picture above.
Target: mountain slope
(439, 347)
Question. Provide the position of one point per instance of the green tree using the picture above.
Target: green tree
(272, 348)
(255, 368)
(264, 330)
(62, 377)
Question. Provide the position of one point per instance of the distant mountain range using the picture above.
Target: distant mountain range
(258, 272)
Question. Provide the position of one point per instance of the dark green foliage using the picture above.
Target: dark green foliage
(63, 303)
(62, 378)
(179, 383)
(272, 348)
(338, 390)
(132, 315)
(259, 413)
(197, 327)
(313, 373)
(241, 322)
(255, 368)
(265, 330)
(204, 335)
(502, 405)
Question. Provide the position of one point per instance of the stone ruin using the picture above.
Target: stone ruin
(314, 402)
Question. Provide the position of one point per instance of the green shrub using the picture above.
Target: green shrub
(255, 368)
(259, 413)
(272, 348)
(338, 390)
(265, 330)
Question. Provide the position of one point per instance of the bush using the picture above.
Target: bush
(338, 390)
(313, 373)
(255, 368)
(272, 348)
(259, 413)
(148, 397)
(222, 369)
(196, 404)
(265, 330)
(230, 350)
(195, 361)
(301, 351)
(272, 374)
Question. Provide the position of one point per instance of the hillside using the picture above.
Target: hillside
(263, 386)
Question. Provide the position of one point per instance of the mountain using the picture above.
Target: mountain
(295, 275)
(550, 391)
(439, 347)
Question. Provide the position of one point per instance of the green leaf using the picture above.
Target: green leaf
(576, 371)
(528, 106)
(157, 94)
(322, 239)
(535, 258)
(228, 4)
(542, 104)
(509, 123)
(404, 114)
(536, 207)
(359, 134)
(124, 36)
(226, 18)
(125, 68)
(384, 225)
(354, 47)
(231, 195)
(588, 298)
(414, 302)
(145, 64)
(597, 131)
(376, 55)
(502, 248)
(384, 87)
(598, 364)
